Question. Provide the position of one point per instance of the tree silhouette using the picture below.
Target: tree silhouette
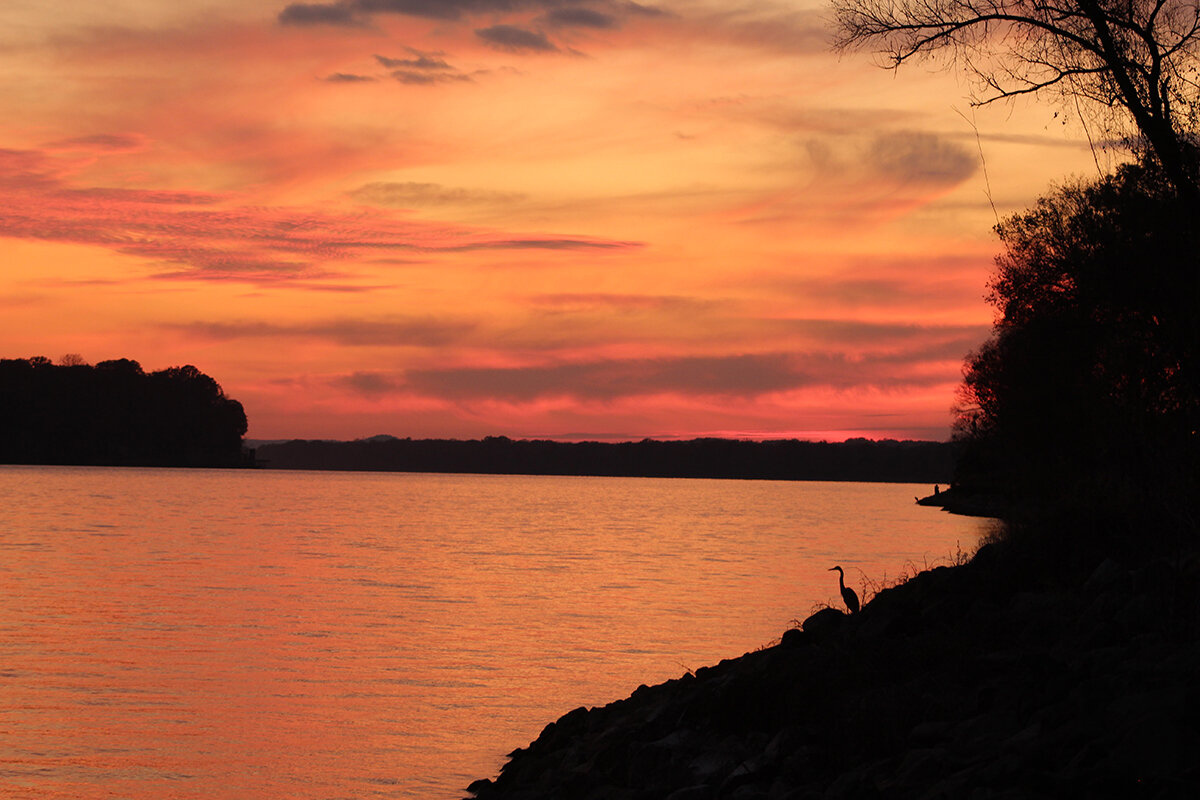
(116, 414)
(1091, 375)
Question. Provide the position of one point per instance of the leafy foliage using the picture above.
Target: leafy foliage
(1090, 383)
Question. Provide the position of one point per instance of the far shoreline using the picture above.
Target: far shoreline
(855, 460)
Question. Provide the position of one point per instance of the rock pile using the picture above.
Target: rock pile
(963, 682)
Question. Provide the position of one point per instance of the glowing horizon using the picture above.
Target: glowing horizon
(539, 219)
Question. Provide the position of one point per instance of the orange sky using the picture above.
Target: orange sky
(457, 218)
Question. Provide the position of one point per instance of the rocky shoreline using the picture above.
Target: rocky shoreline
(997, 678)
(958, 501)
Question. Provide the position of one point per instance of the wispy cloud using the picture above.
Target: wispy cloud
(892, 158)
(913, 156)
(761, 26)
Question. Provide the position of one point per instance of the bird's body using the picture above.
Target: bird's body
(848, 595)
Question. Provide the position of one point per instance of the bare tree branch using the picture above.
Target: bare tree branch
(1141, 57)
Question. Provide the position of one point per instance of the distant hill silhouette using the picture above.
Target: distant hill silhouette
(115, 414)
(854, 460)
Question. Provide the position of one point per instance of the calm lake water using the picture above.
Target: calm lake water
(260, 634)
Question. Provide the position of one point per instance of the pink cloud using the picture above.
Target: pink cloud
(207, 236)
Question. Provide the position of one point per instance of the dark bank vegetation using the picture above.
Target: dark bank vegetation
(1060, 661)
(1083, 407)
(854, 460)
(115, 414)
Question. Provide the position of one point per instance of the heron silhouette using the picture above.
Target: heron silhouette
(848, 595)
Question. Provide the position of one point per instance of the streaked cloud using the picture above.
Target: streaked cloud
(227, 241)
(417, 61)
(515, 39)
(416, 195)
(424, 78)
(100, 142)
(619, 302)
(936, 282)
(422, 68)
(580, 13)
(744, 375)
(371, 384)
(580, 17)
(304, 14)
(392, 332)
(702, 323)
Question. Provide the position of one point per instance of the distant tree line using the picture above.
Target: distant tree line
(854, 460)
(116, 414)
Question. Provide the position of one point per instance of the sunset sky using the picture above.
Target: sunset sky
(536, 218)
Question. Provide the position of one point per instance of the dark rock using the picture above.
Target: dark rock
(792, 637)
(783, 792)
(710, 765)
(480, 786)
(928, 732)
(853, 785)
(882, 621)
(823, 622)
(784, 744)
(922, 766)
(1106, 577)
(744, 775)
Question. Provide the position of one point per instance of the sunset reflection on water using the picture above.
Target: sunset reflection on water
(221, 634)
